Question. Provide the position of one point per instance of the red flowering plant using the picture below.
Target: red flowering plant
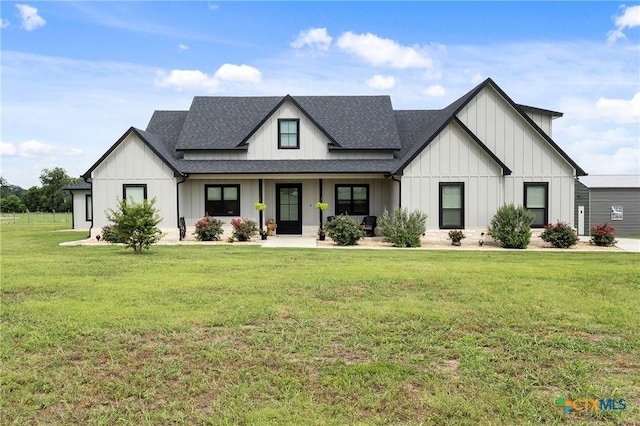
(244, 229)
(603, 235)
(559, 235)
(208, 229)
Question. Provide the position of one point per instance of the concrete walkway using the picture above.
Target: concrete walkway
(628, 244)
(295, 241)
(625, 244)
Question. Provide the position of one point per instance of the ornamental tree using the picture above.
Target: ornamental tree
(135, 224)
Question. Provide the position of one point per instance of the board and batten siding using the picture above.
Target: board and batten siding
(133, 162)
(530, 157)
(454, 157)
(79, 213)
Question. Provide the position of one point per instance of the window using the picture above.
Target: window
(136, 193)
(536, 200)
(352, 199)
(222, 200)
(288, 134)
(88, 208)
(617, 212)
(452, 205)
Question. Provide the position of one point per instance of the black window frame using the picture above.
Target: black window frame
(88, 211)
(544, 185)
(280, 134)
(441, 210)
(125, 186)
(351, 211)
(224, 209)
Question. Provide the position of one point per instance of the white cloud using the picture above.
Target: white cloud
(623, 161)
(187, 79)
(7, 149)
(436, 91)
(382, 51)
(238, 73)
(198, 80)
(381, 82)
(620, 110)
(4, 23)
(183, 47)
(214, 7)
(316, 38)
(34, 148)
(630, 18)
(30, 18)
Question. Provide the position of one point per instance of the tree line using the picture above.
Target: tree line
(49, 197)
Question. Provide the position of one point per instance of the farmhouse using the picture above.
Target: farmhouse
(355, 153)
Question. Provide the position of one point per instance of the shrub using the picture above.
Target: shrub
(208, 229)
(344, 231)
(511, 226)
(403, 229)
(603, 235)
(135, 224)
(456, 235)
(244, 229)
(560, 235)
(110, 235)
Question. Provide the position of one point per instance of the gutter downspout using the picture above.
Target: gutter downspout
(393, 178)
(184, 178)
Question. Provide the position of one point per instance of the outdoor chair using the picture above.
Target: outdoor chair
(369, 225)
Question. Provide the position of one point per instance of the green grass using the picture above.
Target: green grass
(233, 334)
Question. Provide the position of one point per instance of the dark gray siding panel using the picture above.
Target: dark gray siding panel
(629, 198)
(582, 199)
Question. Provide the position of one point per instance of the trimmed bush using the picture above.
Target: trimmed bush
(135, 224)
(511, 226)
(244, 229)
(208, 229)
(560, 235)
(109, 235)
(344, 231)
(403, 229)
(603, 235)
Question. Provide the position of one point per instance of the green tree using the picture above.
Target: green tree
(12, 204)
(7, 189)
(32, 199)
(54, 198)
(135, 224)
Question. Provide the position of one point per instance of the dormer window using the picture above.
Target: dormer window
(288, 133)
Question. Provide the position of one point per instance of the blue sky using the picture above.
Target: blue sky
(77, 75)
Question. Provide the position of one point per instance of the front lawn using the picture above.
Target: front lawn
(233, 334)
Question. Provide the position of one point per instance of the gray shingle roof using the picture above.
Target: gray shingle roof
(286, 166)
(349, 122)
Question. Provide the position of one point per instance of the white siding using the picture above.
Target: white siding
(454, 157)
(133, 162)
(522, 149)
(544, 121)
(80, 221)
(192, 198)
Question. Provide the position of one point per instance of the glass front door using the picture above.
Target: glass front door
(289, 213)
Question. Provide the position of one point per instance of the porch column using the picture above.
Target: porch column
(260, 200)
(321, 200)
